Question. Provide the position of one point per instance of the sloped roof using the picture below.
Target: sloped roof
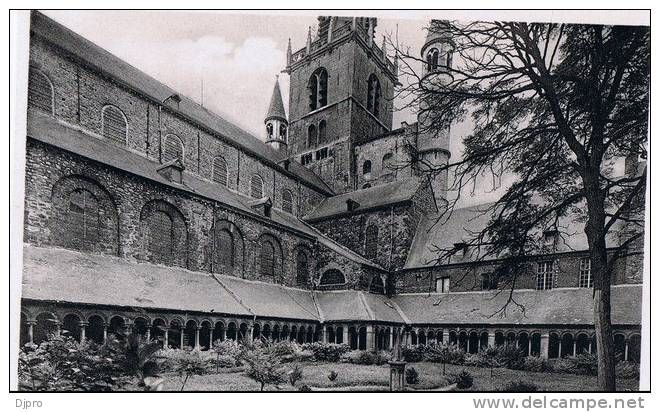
(105, 62)
(276, 106)
(271, 300)
(437, 233)
(566, 306)
(377, 196)
(342, 305)
(66, 276)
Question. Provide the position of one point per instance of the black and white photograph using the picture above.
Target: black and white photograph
(330, 201)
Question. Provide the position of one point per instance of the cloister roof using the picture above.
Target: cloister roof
(377, 196)
(436, 233)
(109, 64)
(48, 130)
(59, 275)
(566, 306)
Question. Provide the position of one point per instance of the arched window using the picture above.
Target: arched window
(388, 161)
(318, 89)
(40, 92)
(450, 56)
(432, 60)
(172, 148)
(366, 167)
(267, 258)
(373, 94)
(256, 187)
(366, 185)
(302, 268)
(220, 170)
(224, 246)
(287, 201)
(322, 132)
(113, 124)
(82, 220)
(311, 136)
(333, 277)
(283, 135)
(269, 130)
(160, 237)
(371, 241)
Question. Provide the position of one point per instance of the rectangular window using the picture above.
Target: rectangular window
(442, 285)
(586, 281)
(545, 275)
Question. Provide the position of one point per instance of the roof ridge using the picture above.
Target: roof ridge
(398, 309)
(234, 295)
(318, 307)
(370, 313)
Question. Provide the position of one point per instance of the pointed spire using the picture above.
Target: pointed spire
(276, 107)
(288, 53)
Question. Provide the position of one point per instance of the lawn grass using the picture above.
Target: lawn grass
(376, 378)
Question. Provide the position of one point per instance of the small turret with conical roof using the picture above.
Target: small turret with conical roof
(276, 122)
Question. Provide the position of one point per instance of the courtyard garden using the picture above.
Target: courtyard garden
(131, 363)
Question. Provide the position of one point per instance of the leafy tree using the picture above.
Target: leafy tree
(263, 365)
(554, 107)
(189, 363)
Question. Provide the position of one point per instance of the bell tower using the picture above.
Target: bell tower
(276, 122)
(342, 85)
(432, 142)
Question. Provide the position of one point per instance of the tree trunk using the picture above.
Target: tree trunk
(595, 231)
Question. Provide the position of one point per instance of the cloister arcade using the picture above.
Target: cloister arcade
(185, 331)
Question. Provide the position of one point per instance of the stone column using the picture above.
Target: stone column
(345, 335)
(625, 351)
(83, 325)
(105, 332)
(148, 332)
(166, 338)
(197, 337)
(545, 346)
(30, 331)
(324, 336)
(249, 332)
(529, 345)
(370, 338)
(391, 338)
(445, 335)
(491, 338)
(210, 338)
(182, 330)
(574, 346)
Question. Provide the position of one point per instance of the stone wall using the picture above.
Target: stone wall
(126, 203)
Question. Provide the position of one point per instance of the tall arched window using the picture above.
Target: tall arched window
(333, 277)
(113, 124)
(373, 94)
(160, 237)
(371, 241)
(220, 170)
(267, 258)
(311, 136)
(377, 285)
(172, 148)
(256, 187)
(224, 246)
(40, 91)
(287, 201)
(82, 220)
(318, 89)
(432, 59)
(302, 268)
(322, 132)
(366, 167)
(269, 130)
(450, 57)
(283, 134)
(388, 161)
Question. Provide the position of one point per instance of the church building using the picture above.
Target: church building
(145, 211)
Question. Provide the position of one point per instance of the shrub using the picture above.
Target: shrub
(534, 364)
(463, 380)
(413, 353)
(563, 365)
(363, 357)
(412, 377)
(475, 359)
(304, 388)
(444, 354)
(223, 361)
(585, 364)
(510, 356)
(332, 376)
(627, 370)
(295, 375)
(328, 352)
(520, 386)
(190, 363)
(289, 351)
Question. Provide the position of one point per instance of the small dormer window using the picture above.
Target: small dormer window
(262, 206)
(461, 248)
(351, 205)
(172, 171)
(550, 237)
